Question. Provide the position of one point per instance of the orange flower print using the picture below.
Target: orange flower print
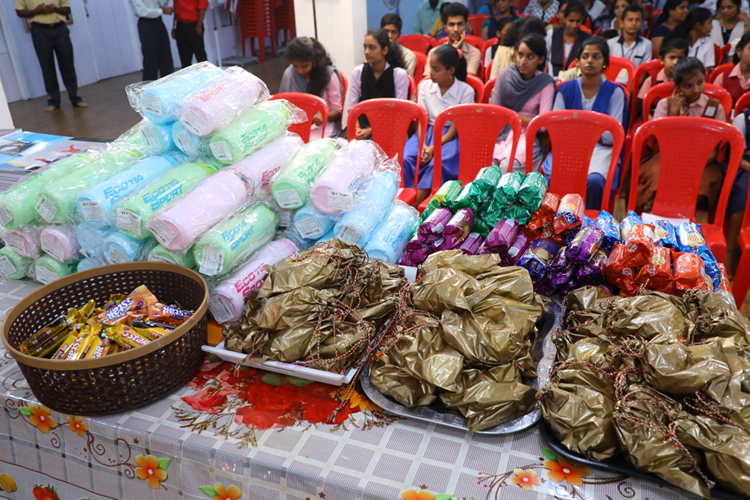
(526, 479)
(148, 469)
(222, 493)
(561, 470)
(361, 402)
(40, 418)
(415, 495)
(76, 425)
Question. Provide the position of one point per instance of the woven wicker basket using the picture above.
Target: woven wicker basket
(119, 382)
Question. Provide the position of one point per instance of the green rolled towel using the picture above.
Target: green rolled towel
(13, 265)
(161, 254)
(57, 201)
(133, 214)
(48, 269)
(249, 132)
(238, 237)
(17, 204)
(292, 185)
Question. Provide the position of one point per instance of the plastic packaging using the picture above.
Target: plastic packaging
(119, 248)
(14, 265)
(228, 298)
(537, 257)
(157, 137)
(25, 241)
(214, 198)
(161, 101)
(357, 226)
(291, 186)
(311, 223)
(96, 205)
(161, 254)
(610, 227)
(92, 239)
(215, 105)
(570, 213)
(262, 165)
(251, 131)
(532, 191)
(389, 239)
(472, 244)
(61, 243)
(458, 228)
(133, 212)
(585, 244)
(224, 245)
(189, 143)
(502, 236)
(87, 264)
(334, 190)
(47, 269)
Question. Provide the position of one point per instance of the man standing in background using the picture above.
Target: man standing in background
(188, 30)
(157, 53)
(427, 14)
(52, 38)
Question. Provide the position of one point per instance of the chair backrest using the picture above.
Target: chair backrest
(725, 51)
(478, 126)
(419, 68)
(586, 29)
(412, 89)
(488, 72)
(345, 84)
(476, 21)
(418, 43)
(685, 143)
(573, 135)
(617, 64)
(473, 40)
(488, 46)
(488, 88)
(664, 90)
(478, 87)
(308, 103)
(390, 120)
(646, 69)
(742, 103)
(598, 32)
(719, 70)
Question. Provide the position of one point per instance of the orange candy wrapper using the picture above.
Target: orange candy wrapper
(690, 272)
(167, 315)
(657, 274)
(133, 307)
(618, 273)
(569, 214)
(545, 213)
(638, 246)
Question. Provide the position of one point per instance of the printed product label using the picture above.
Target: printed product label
(193, 122)
(213, 261)
(221, 151)
(159, 258)
(150, 137)
(309, 227)
(219, 309)
(340, 201)
(92, 210)
(129, 220)
(45, 209)
(117, 257)
(15, 242)
(288, 198)
(5, 216)
(45, 276)
(6, 266)
(349, 234)
(162, 232)
(151, 104)
(185, 143)
(53, 249)
(285, 218)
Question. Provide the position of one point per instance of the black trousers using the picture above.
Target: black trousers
(155, 46)
(52, 40)
(189, 43)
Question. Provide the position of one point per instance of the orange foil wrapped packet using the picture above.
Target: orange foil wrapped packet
(690, 272)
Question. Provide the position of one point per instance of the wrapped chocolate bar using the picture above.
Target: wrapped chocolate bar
(537, 257)
(458, 228)
(657, 274)
(516, 251)
(628, 224)
(592, 272)
(570, 213)
(691, 240)
(416, 252)
(585, 221)
(506, 191)
(532, 191)
(502, 236)
(476, 192)
(471, 245)
(610, 227)
(463, 200)
(447, 193)
(545, 213)
(665, 234)
(638, 243)
(618, 272)
(585, 244)
(432, 228)
(560, 271)
(690, 273)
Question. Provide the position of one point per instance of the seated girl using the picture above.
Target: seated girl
(312, 72)
(446, 87)
(526, 89)
(592, 93)
(729, 27)
(738, 195)
(563, 44)
(737, 79)
(671, 53)
(696, 29)
(501, 54)
(501, 10)
(610, 22)
(674, 12)
(687, 99)
(383, 75)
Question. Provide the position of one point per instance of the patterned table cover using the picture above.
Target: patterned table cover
(151, 454)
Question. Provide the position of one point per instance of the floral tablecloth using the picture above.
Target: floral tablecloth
(255, 435)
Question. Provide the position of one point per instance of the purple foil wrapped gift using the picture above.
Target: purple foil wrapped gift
(434, 225)
(472, 244)
(458, 228)
(561, 270)
(592, 272)
(585, 244)
(516, 251)
(502, 236)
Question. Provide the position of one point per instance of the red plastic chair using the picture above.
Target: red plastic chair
(573, 135)
(308, 103)
(488, 88)
(586, 29)
(685, 143)
(742, 103)
(390, 120)
(478, 86)
(345, 84)
(664, 90)
(617, 64)
(742, 275)
(646, 69)
(419, 68)
(476, 21)
(418, 43)
(719, 70)
(720, 53)
(598, 32)
(478, 126)
(412, 89)
(487, 46)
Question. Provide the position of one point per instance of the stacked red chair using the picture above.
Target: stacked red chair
(256, 22)
(283, 20)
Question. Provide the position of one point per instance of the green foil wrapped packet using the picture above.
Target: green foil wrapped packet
(507, 190)
(532, 191)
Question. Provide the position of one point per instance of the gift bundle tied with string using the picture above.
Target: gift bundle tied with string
(662, 380)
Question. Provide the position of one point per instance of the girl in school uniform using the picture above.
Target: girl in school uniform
(738, 195)
(737, 79)
(526, 89)
(696, 29)
(382, 76)
(311, 71)
(674, 12)
(672, 52)
(730, 26)
(563, 44)
(592, 93)
(446, 87)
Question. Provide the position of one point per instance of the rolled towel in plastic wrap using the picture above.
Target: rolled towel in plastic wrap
(227, 243)
(132, 214)
(251, 131)
(14, 265)
(57, 202)
(312, 224)
(161, 254)
(92, 239)
(219, 102)
(47, 269)
(96, 205)
(188, 142)
(119, 248)
(87, 264)
(61, 243)
(333, 191)
(357, 226)
(25, 241)
(161, 101)
(291, 186)
(262, 165)
(214, 198)
(157, 137)
(389, 239)
(228, 298)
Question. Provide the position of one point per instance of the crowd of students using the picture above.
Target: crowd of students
(547, 59)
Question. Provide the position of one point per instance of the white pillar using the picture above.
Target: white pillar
(6, 122)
